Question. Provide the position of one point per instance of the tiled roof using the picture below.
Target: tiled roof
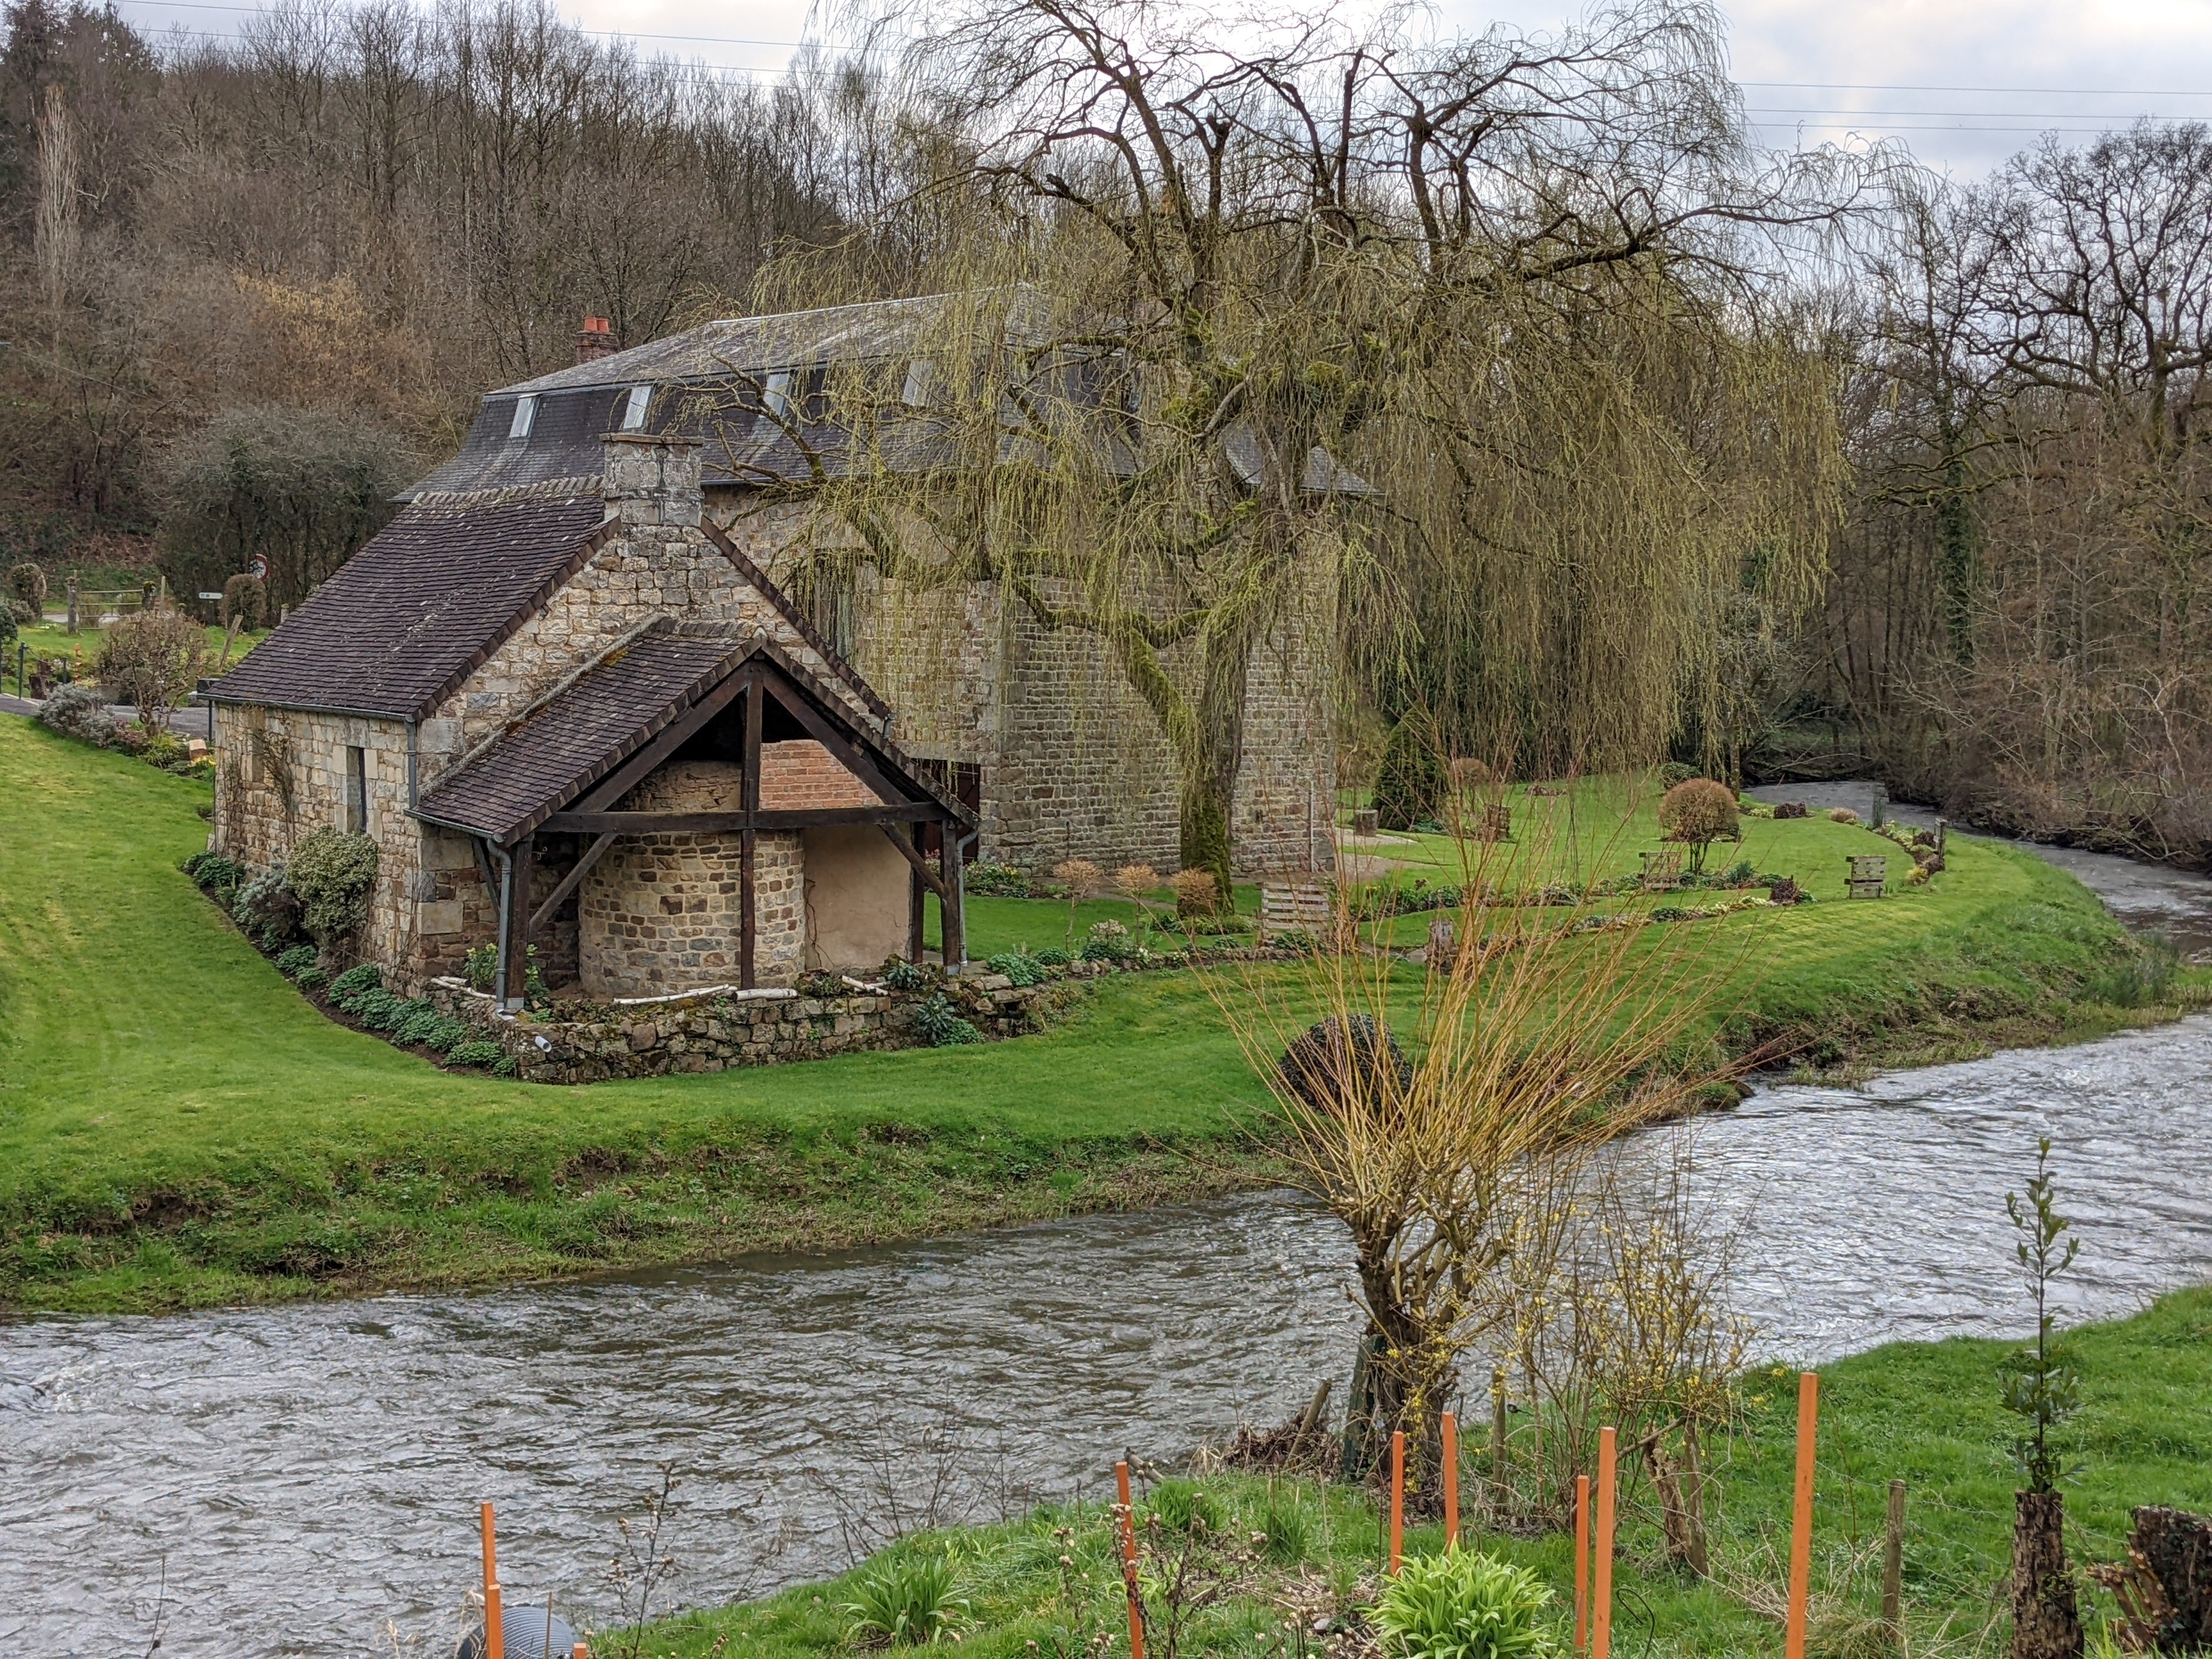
(582, 733)
(409, 617)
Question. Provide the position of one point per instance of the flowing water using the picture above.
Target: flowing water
(287, 1479)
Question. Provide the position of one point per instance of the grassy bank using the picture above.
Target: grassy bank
(178, 1126)
(1925, 1414)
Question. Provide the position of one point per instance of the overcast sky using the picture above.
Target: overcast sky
(1965, 82)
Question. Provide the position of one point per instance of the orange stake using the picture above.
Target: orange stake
(1129, 1562)
(1397, 1499)
(1582, 1563)
(1800, 1525)
(1601, 1611)
(1451, 1480)
(494, 1622)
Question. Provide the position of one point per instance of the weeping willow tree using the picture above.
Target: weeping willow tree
(1221, 337)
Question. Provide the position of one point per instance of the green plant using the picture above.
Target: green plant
(1675, 772)
(2041, 1385)
(216, 876)
(1053, 956)
(481, 968)
(1460, 1605)
(1286, 1528)
(425, 1027)
(1001, 880)
(312, 979)
(333, 872)
(908, 1601)
(476, 1052)
(267, 910)
(78, 711)
(904, 975)
(27, 586)
(362, 976)
(941, 1027)
(1411, 782)
(150, 659)
(1185, 1506)
(1698, 812)
(296, 960)
(1019, 966)
(1107, 941)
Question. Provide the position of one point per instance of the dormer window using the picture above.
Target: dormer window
(525, 411)
(640, 398)
(777, 396)
(920, 376)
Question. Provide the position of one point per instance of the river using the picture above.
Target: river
(290, 1479)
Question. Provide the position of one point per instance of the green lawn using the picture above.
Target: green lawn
(82, 648)
(1925, 1414)
(178, 1126)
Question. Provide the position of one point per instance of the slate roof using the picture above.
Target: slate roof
(401, 625)
(555, 751)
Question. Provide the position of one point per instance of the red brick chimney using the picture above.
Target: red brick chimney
(597, 340)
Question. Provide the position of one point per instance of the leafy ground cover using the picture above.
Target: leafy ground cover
(1927, 1413)
(178, 1127)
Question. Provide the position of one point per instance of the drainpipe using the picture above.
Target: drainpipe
(960, 886)
(410, 759)
(506, 898)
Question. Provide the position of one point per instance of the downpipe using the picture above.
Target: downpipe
(960, 890)
(506, 898)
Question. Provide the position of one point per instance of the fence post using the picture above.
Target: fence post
(1801, 1523)
(1129, 1561)
(1582, 1563)
(1602, 1613)
(1397, 1499)
(1500, 1488)
(1451, 1480)
(1892, 1564)
(494, 1623)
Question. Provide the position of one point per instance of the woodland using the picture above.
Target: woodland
(1665, 447)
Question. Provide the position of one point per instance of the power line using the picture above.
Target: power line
(1972, 114)
(2024, 92)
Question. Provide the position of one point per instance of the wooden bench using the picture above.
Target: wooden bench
(1295, 907)
(1869, 875)
(1662, 870)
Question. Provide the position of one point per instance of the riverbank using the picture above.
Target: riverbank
(179, 1127)
(1926, 1413)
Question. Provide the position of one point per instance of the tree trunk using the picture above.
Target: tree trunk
(2046, 1623)
(1679, 1507)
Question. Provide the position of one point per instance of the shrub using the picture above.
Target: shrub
(1783, 890)
(216, 876)
(1053, 956)
(150, 659)
(1411, 782)
(1019, 966)
(1460, 1605)
(1698, 812)
(427, 1028)
(941, 1027)
(1198, 895)
(333, 872)
(7, 624)
(906, 1602)
(1108, 941)
(78, 711)
(27, 586)
(312, 979)
(477, 1052)
(378, 1009)
(1790, 809)
(364, 976)
(1842, 815)
(245, 602)
(267, 910)
(1003, 880)
(1672, 913)
(1737, 874)
(902, 976)
(296, 961)
(1675, 772)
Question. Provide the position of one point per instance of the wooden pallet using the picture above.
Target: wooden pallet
(1295, 907)
(1869, 876)
(1662, 870)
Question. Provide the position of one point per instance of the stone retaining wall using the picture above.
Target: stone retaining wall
(712, 1031)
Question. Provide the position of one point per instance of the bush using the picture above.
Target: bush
(27, 586)
(1790, 809)
(78, 711)
(1108, 941)
(267, 910)
(332, 873)
(1842, 815)
(8, 625)
(296, 961)
(245, 602)
(364, 976)
(1053, 956)
(379, 1010)
(1460, 1605)
(1781, 890)
(1675, 772)
(216, 876)
(425, 1028)
(1019, 966)
(941, 1027)
(1198, 895)
(477, 1052)
(905, 1602)
(1698, 812)
(902, 976)
(312, 979)
(1003, 880)
(1411, 785)
(150, 660)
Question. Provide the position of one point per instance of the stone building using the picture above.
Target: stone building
(577, 718)
(1035, 731)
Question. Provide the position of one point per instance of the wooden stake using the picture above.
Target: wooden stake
(1498, 1470)
(1582, 1563)
(1397, 1499)
(1893, 1564)
(1129, 1562)
(1801, 1524)
(1602, 1595)
(494, 1632)
(1451, 1480)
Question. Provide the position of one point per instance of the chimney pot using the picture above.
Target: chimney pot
(597, 340)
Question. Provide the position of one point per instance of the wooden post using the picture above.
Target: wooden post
(1800, 1521)
(1582, 1563)
(749, 799)
(1601, 1592)
(917, 900)
(1397, 1499)
(1892, 1564)
(953, 929)
(495, 1634)
(1501, 1488)
(1128, 1518)
(516, 946)
(1451, 1480)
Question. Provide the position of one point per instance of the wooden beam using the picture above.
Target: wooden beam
(913, 855)
(952, 926)
(515, 954)
(748, 797)
(748, 924)
(782, 817)
(663, 744)
(908, 843)
(568, 882)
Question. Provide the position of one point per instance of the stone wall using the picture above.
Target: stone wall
(663, 913)
(725, 1028)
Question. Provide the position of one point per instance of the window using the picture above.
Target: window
(920, 376)
(640, 398)
(525, 411)
(356, 792)
(778, 394)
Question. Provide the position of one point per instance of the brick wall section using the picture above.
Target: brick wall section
(801, 775)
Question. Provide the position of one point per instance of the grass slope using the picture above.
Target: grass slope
(178, 1126)
(1925, 1413)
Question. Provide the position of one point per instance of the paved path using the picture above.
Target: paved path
(185, 722)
